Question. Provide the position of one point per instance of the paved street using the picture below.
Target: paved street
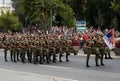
(74, 70)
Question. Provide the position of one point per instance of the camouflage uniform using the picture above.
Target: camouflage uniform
(107, 54)
(88, 48)
(22, 50)
(6, 48)
(28, 50)
(53, 46)
(33, 51)
(12, 50)
(59, 49)
(101, 50)
(17, 49)
(65, 49)
(45, 51)
(39, 51)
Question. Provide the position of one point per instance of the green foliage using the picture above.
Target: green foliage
(100, 20)
(19, 6)
(78, 8)
(95, 12)
(38, 11)
(99, 13)
(115, 5)
(9, 22)
(114, 23)
(67, 16)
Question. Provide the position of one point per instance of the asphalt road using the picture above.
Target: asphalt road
(74, 70)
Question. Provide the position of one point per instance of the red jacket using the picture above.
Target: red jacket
(75, 43)
(85, 38)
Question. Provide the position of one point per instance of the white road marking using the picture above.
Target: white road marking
(26, 76)
(58, 67)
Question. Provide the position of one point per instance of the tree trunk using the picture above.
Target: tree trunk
(44, 19)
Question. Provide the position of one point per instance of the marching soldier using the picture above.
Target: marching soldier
(39, 51)
(17, 49)
(100, 44)
(22, 49)
(65, 49)
(5, 45)
(59, 49)
(28, 49)
(107, 54)
(45, 50)
(96, 51)
(88, 46)
(33, 50)
(12, 50)
(53, 46)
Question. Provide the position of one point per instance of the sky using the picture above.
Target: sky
(6, 1)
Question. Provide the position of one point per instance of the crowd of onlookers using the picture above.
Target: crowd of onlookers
(67, 31)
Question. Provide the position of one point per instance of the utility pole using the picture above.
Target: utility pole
(51, 18)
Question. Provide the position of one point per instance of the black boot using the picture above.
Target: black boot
(88, 66)
(75, 53)
(60, 57)
(67, 54)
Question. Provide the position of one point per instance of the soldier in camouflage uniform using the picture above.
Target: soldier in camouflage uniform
(53, 48)
(88, 47)
(5, 45)
(101, 44)
(22, 49)
(28, 49)
(39, 51)
(12, 50)
(65, 49)
(17, 49)
(45, 50)
(96, 51)
(59, 48)
(33, 49)
(107, 54)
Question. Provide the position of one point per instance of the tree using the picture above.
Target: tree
(66, 15)
(115, 5)
(9, 22)
(68, 18)
(114, 23)
(95, 12)
(99, 13)
(40, 10)
(100, 20)
(77, 6)
(19, 6)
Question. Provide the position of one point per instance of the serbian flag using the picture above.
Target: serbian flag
(109, 39)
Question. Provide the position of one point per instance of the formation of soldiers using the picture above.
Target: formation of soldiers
(46, 48)
(96, 45)
(36, 48)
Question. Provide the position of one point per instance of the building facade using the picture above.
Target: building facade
(5, 7)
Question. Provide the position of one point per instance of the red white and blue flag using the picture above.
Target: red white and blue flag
(109, 39)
